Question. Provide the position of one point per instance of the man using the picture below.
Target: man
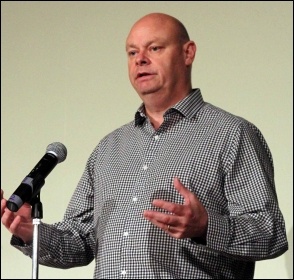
(185, 190)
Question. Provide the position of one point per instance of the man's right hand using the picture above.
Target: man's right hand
(19, 223)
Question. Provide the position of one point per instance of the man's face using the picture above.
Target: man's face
(156, 58)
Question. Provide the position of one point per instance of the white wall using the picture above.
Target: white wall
(64, 78)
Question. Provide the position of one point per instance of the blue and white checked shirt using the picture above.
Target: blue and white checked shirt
(222, 158)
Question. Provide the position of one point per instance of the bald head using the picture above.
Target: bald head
(163, 21)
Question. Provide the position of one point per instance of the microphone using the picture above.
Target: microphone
(31, 185)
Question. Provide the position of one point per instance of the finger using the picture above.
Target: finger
(182, 190)
(7, 218)
(26, 207)
(180, 187)
(166, 227)
(15, 224)
(154, 216)
(3, 205)
(170, 207)
(11, 221)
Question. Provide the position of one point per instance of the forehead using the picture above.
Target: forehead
(150, 30)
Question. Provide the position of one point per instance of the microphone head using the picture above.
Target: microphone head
(58, 149)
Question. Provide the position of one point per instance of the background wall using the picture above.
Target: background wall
(64, 78)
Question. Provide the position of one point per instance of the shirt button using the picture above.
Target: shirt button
(156, 137)
(145, 167)
(123, 272)
(126, 233)
(135, 199)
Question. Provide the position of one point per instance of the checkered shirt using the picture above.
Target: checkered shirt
(220, 157)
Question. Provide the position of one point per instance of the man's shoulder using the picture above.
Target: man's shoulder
(124, 129)
(226, 121)
(215, 113)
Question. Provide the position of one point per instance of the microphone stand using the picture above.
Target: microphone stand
(37, 215)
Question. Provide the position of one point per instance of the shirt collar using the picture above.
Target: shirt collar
(188, 107)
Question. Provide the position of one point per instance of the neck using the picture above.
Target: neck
(157, 104)
(156, 119)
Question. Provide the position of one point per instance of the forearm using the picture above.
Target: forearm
(250, 236)
(59, 248)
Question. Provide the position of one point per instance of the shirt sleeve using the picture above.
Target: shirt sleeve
(71, 242)
(254, 229)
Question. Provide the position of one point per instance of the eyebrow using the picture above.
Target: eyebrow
(148, 43)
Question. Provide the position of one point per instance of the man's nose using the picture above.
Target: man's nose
(142, 59)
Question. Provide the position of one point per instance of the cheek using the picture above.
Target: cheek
(131, 72)
(167, 71)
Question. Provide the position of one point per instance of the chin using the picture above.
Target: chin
(144, 91)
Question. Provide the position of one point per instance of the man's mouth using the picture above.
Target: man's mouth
(142, 74)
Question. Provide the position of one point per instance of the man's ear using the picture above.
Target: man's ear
(190, 52)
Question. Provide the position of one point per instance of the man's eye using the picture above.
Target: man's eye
(131, 53)
(155, 49)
